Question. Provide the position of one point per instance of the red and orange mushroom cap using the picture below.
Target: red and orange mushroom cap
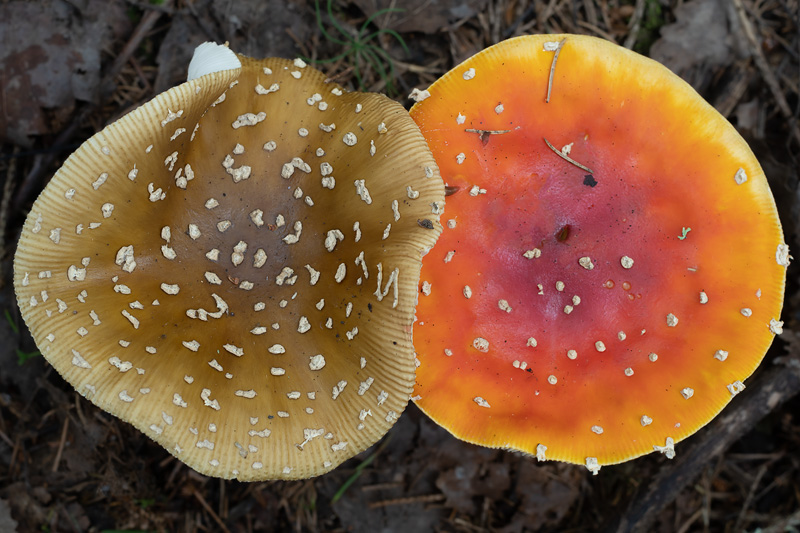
(612, 266)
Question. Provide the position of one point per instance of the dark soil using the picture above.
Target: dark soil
(67, 68)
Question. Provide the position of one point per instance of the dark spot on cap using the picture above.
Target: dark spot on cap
(425, 223)
(563, 234)
(450, 190)
(589, 180)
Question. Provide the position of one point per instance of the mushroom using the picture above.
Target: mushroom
(232, 267)
(612, 267)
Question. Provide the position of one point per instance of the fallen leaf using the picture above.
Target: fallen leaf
(49, 58)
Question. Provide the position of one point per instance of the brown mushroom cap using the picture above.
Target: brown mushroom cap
(232, 268)
(594, 314)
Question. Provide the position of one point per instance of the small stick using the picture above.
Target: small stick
(61, 445)
(553, 69)
(484, 132)
(427, 498)
(209, 510)
(568, 158)
(7, 439)
(340, 75)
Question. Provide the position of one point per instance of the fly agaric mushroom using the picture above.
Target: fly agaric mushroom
(232, 267)
(613, 265)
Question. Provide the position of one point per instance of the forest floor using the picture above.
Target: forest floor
(67, 68)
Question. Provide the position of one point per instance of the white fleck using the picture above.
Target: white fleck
(132, 319)
(481, 344)
(364, 386)
(629, 371)
(235, 350)
(672, 320)
(740, 177)
(426, 288)
(600, 346)
(540, 452)
(170, 117)
(746, 312)
(286, 276)
(469, 74)
(170, 289)
(552, 380)
(776, 326)
(341, 271)
(419, 96)
(79, 361)
(125, 397)
(703, 297)
(653, 357)
(480, 401)
(333, 237)
(592, 465)
(668, 449)
(362, 191)
(586, 262)
(248, 119)
(735, 388)
(303, 325)
(212, 278)
(782, 255)
(192, 345)
(597, 429)
(338, 388)
(382, 397)
(720, 355)
(626, 262)
(646, 420)
(76, 274)
(259, 258)
(350, 139)
(687, 393)
(277, 371)
(178, 400)
(460, 158)
(155, 195)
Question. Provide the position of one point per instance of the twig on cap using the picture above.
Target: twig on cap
(485, 132)
(565, 157)
(553, 69)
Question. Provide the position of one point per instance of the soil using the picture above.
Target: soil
(67, 68)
